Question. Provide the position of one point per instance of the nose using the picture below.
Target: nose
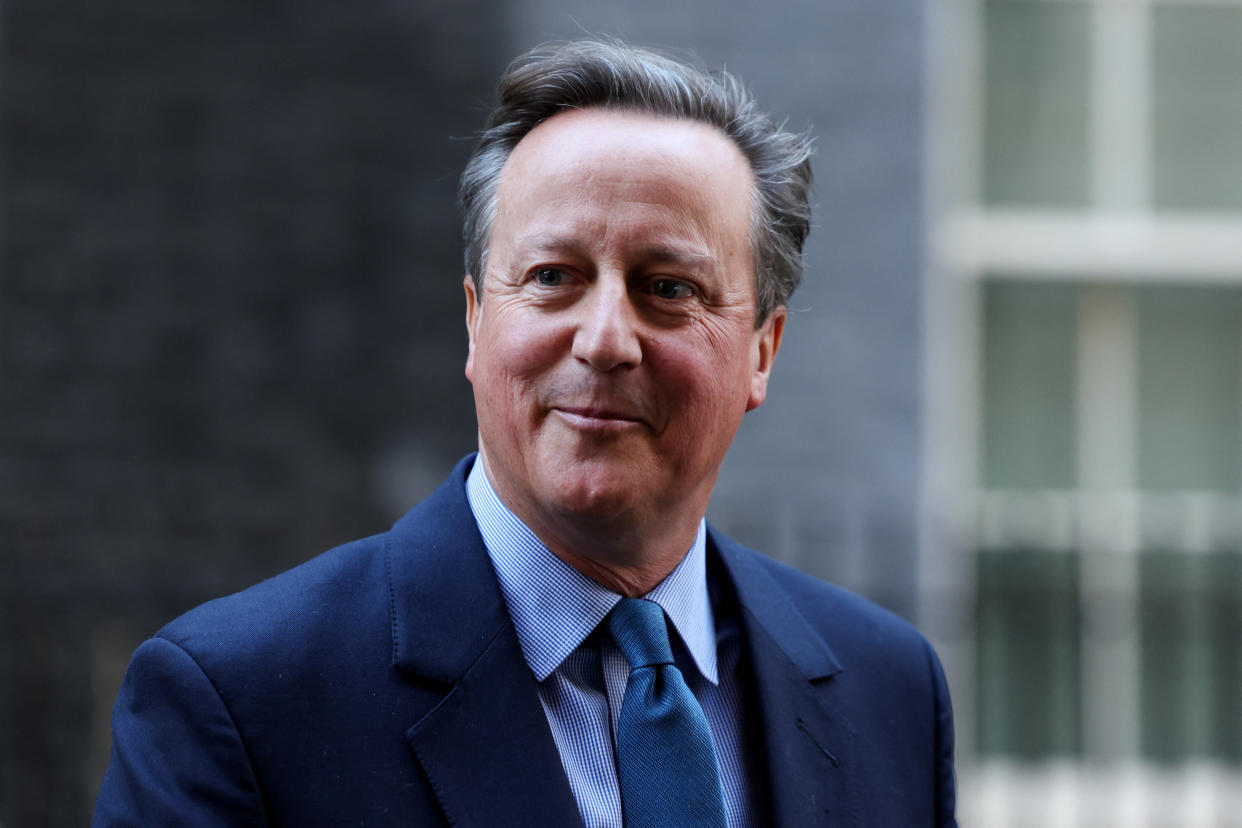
(607, 334)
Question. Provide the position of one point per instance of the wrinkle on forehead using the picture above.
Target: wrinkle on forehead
(633, 145)
(651, 251)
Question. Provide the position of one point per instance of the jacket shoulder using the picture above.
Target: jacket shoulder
(336, 608)
(858, 631)
(821, 601)
(314, 601)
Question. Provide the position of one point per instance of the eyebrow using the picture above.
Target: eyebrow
(549, 243)
(662, 253)
(655, 252)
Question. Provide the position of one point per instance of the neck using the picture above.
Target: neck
(624, 562)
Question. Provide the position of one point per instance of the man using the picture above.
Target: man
(555, 637)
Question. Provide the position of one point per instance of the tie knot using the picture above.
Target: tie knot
(637, 628)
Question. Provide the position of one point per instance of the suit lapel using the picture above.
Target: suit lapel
(485, 746)
(809, 746)
(487, 749)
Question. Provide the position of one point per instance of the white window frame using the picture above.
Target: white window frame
(1115, 241)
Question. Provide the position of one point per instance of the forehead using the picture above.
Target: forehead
(629, 135)
(614, 157)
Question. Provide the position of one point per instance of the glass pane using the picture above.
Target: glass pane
(1035, 102)
(1190, 387)
(1197, 106)
(1028, 660)
(1029, 364)
(1190, 614)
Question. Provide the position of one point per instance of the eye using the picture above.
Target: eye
(549, 277)
(670, 289)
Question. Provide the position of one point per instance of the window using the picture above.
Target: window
(1093, 248)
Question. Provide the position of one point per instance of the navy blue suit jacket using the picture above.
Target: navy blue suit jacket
(382, 683)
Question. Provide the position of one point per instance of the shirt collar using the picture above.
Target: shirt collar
(555, 607)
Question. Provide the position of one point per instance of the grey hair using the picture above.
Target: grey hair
(611, 74)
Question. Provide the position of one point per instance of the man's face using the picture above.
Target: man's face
(614, 351)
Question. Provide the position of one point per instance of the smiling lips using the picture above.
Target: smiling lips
(597, 418)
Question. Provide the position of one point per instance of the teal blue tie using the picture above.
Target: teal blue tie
(666, 762)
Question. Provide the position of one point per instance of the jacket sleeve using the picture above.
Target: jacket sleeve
(177, 757)
(945, 783)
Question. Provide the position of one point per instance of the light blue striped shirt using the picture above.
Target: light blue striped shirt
(555, 608)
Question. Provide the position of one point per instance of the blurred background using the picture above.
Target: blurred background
(1008, 406)
(1083, 430)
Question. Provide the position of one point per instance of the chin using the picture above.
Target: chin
(596, 496)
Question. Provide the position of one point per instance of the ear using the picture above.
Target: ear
(767, 343)
(472, 323)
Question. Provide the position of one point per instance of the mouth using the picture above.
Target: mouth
(594, 418)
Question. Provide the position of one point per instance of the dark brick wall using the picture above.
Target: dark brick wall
(231, 315)
(229, 280)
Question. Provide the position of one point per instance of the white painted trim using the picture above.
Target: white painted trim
(1069, 794)
(1187, 522)
(1108, 533)
(1119, 121)
(1111, 246)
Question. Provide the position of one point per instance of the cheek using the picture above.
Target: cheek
(720, 356)
(705, 387)
(729, 393)
(509, 357)
(522, 359)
